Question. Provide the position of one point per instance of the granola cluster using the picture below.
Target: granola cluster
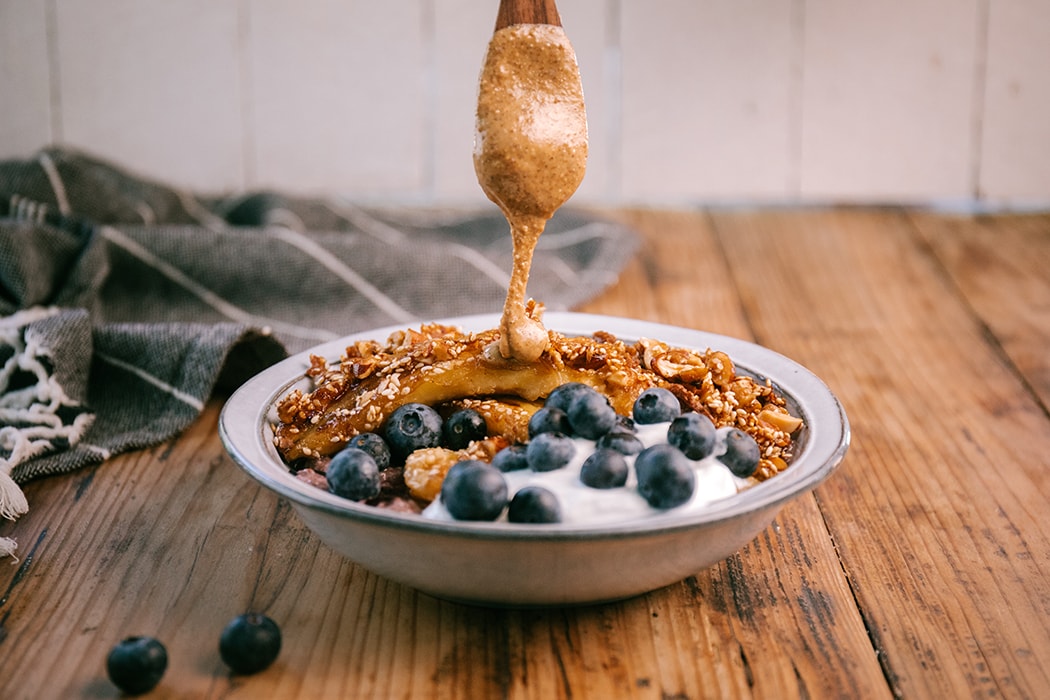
(708, 383)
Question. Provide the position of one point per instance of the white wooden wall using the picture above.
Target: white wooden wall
(690, 101)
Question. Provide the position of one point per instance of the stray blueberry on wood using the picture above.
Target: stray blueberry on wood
(136, 664)
(250, 643)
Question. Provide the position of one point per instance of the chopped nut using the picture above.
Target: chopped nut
(780, 419)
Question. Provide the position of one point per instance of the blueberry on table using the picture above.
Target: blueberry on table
(412, 427)
(591, 415)
(250, 643)
(742, 453)
(604, 469)
(656, 405)
(473, 490)
(665, 476)
(534, 504)
(464, 427)
(136, 664)
(511, 459)
(549, 451)
(375, 445)
(549, 420)
(623, 441)
(692, 433)
(353, 474)
(562, 396)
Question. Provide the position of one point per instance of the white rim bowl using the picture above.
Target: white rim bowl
(524, 565)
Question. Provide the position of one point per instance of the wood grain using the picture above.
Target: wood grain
(918, 570)
(937, 516)
(527, 12)
(1000, 267)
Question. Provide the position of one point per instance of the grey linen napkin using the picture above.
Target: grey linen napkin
(125, 303)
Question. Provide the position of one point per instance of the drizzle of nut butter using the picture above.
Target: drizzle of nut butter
(530, 154)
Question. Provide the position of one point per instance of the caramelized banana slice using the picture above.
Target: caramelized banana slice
(438, 364)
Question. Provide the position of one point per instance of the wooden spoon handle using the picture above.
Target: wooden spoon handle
(527, 12)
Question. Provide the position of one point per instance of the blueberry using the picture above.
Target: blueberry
(473, 490)
(665, 476)
(692, 433)
(250, 643)
(604, 469)
(591, 415)
(464, 427)
(534, 504)
(373, 444)
(561, 397)
(511, 459)
(411, 427)
(353, 474)
(624, 442)
(549, 420)
(549, 451)
(656, 405)
(742, 453)
(136, 664)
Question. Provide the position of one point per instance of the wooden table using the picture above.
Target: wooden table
(919, 570)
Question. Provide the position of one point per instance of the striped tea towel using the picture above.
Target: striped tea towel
(125, 303)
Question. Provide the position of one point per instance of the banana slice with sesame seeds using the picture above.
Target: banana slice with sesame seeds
(446, 368)
(438, 364)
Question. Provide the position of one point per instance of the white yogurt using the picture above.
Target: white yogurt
(581, 504)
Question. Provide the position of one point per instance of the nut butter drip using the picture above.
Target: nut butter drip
(530, 153)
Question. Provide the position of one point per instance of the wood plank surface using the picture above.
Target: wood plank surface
(1001, 267)
(919, 570)
(939, 514)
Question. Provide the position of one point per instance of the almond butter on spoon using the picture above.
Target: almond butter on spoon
(530, 145)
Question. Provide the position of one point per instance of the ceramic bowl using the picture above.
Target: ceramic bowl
(544, 565)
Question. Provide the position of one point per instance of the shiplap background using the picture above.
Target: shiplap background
(943, 102)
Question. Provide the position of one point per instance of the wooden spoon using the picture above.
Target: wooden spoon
(527, 12)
